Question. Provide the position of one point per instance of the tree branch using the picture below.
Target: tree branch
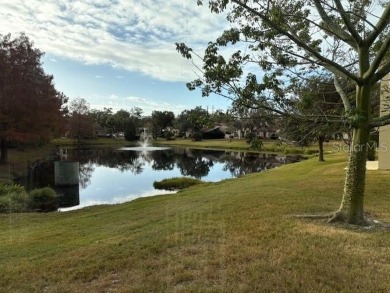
(347, 22)
(381, 72)
(335, 29)
(380, 121)
(323, 60)
(384, 20)
(343, 95)
(383, 50)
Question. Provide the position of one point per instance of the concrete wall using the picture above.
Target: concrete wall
(384, 131)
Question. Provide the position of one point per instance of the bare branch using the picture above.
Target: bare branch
(334, 27)
(322, 60)
(381, 72)
(347, 21)
(341, 92)
(384, 20)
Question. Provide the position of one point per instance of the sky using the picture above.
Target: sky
(119, 54)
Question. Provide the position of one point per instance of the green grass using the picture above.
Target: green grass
(269, 145)
(176, 183)
(237, 235)
(90, 142)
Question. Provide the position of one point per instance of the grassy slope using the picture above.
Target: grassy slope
(233, 236)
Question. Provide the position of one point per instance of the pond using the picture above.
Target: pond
(117, 175)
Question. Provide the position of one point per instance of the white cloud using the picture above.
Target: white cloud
(138, 36)
(127, 103)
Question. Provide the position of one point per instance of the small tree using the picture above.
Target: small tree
(133, 123)
(194, 119)
(80, 121)
(161, 120)
(285, 39)
(315, 96)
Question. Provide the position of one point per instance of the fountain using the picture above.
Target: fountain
(144, 145)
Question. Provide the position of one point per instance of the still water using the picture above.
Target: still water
(112, 175)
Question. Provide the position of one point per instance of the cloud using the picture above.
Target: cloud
(148, 105)
(137, 36)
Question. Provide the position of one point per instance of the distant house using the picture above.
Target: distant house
(172, 130)
(213, 133)
(100, 131)
(267, 130)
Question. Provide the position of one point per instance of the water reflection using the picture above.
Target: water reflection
(108, 176)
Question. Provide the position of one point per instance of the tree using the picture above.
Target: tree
(133, 123)
(31, 109)
(314, 96)
(161, 120)
(251, 119)
(80, 121)
(104, 118)
(120, 120)
(289, 39)
(194, 119)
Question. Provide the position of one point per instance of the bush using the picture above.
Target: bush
(43, 200)
(168, 135)
(176, 183)
(256, 144)
(197, 136)
(310, 152)
(130, 134)
(13, 198)
(6, 189)
(249, 137)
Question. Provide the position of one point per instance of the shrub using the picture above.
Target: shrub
(310, 152)
(176, 183)
(6, 189)
(169, 135)
(249, 136)
(256, 144)
(13, 198)
(197, 136)
(43, 200)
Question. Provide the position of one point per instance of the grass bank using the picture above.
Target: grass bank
(90, 142)
(233, 236)
(269, 145)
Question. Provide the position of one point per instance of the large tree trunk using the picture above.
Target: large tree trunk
(3, 151)
(352, 205)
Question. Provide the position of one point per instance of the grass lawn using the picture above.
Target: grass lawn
(237, 235)
(269, 145)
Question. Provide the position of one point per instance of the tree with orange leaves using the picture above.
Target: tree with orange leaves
(31, 109)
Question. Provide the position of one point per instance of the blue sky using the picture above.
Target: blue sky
(118, 53)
